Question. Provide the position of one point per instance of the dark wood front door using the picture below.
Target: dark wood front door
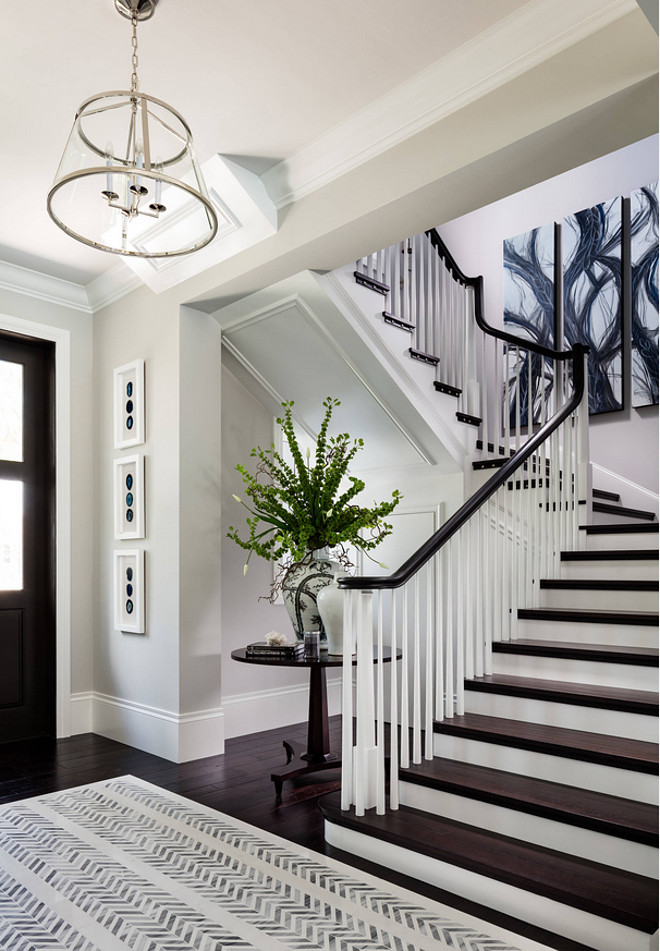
(27, 527)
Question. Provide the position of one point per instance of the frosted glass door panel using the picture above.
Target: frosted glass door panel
(11, 411)
(11, 535)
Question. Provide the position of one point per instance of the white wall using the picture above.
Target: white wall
(71, 329)
(625, 442)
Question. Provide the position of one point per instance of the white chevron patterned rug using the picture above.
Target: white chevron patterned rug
(124, 864)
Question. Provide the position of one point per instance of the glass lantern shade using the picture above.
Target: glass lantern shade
(129, 182)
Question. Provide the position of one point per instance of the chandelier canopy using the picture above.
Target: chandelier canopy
(128, 181)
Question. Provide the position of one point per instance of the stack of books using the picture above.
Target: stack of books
(275, 651)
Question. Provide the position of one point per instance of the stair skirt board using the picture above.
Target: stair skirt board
(588, 632)
(634, 726)
(611, 780)
(607, 599)
(545, 913)
(627, 676)
(539, 830)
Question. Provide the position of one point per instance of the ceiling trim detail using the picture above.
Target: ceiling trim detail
(53, 290)
(525, 39)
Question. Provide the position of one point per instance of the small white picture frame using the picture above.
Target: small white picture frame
(128, 398)
(128, 496)
(129, 592)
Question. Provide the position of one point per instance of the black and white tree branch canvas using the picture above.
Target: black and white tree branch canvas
(644, 319)
(592, 270)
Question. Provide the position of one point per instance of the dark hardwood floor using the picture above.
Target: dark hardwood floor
(236, 783)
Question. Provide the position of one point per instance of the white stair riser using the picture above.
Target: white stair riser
(624, 570)
(628, 676)
(601, 600)
(583, 632)
(613, 540)
(561, 919)
(606, 779)
(564, 715)
(548, 833)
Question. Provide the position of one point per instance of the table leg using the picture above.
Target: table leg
(318, 735)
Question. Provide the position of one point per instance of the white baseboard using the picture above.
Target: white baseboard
(269, 709)
(178, 737)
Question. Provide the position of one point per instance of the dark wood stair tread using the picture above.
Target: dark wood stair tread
(608, 508)
(643, 702)
(610, 815)
(611, 894)
(599, 584)
(371, 283)
(612, 554)
(424, 357)
(616, 751)
(586, 615)
(621, 528)
(446, 388)
(399, 322)
(605, 495)
(603, 653)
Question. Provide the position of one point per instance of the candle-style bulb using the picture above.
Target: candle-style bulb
(109, 192)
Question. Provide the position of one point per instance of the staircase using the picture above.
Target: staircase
(536, 793)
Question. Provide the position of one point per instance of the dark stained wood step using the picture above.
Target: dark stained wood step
(615, 751)
(602, 653)
(607, 508)
(598, 584)
(643, 702)
(371, 283)
(446, 388)
(424, 357)
(584, 615)
(609, 815)
(605, 496)
(399, 322)
(612, 554)
(621, 528)
(608, 893)
(467, 418)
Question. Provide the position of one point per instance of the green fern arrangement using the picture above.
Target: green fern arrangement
(295, 510)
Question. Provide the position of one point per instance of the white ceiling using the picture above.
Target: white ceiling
(258, 80)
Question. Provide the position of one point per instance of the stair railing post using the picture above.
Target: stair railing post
(366, 762)
(584, 471)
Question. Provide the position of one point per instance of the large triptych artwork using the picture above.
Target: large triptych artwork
(644, 319)
(529, 312)
(592, 271)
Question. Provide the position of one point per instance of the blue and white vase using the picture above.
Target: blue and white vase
(300, 591)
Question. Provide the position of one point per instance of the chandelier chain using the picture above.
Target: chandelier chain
(134, 58)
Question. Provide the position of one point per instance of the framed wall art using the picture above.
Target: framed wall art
(128, 394)
(129, 496)
(644, 319)
(591, 251)
(129, 591)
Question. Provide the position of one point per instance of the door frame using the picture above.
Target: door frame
(62, 340)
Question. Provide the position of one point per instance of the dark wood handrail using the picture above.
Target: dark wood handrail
(467, 510)
(478, 284)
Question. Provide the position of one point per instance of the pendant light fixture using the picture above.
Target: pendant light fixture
(128, 181)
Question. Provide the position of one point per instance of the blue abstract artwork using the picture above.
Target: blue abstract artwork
(529, 312)
(644, 318)
(591, 253)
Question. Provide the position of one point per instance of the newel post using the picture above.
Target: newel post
(584, 472)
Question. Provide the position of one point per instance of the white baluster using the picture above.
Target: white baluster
(441, 633)
(394, 708)
(460, 622)
(450, 628)
(380, 711)
(417, 681)
(405, 719)
(430, 645)
(347, 777)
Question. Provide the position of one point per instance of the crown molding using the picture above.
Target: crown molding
(527, 38)
(53, 290)
(111, 286)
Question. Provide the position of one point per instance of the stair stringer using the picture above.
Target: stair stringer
(362, 309)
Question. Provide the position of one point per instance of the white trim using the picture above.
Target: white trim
(62, 341)
(518, 43)
(52, 290)
(111, 286)
(82, 712)
(178, 737)
(280, 706)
